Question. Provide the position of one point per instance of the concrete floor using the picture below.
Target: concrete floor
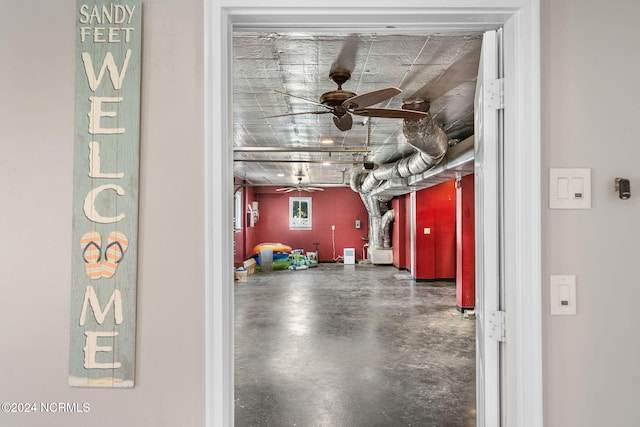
(351, 346)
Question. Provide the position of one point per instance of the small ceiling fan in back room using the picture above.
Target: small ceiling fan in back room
(299, 187)
(343, 104)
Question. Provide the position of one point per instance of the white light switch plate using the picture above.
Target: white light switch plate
(570, 188)
(562, 295)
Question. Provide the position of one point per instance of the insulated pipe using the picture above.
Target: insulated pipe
(387, 220)
(356, 181)
(376, 208)
(431, 144)
(426, 136)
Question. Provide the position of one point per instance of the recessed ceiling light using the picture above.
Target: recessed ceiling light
(280, 174)
(327, 141)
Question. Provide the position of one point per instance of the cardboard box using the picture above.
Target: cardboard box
(250, 266)
(241, 274)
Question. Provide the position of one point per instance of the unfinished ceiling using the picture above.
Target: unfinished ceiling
(440, 69)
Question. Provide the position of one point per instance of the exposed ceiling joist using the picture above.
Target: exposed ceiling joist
(322, 162)
(301, 150)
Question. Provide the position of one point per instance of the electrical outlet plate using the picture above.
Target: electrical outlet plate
(562, 295)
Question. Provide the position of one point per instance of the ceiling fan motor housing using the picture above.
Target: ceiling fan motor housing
(335, 97)
(340, 77)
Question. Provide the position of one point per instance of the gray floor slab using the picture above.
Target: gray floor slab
(350, 346)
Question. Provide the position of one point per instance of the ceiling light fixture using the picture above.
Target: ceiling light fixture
(327, 141)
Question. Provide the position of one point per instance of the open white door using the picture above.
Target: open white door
(489, 329)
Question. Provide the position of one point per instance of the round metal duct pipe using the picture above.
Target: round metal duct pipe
(431, 144)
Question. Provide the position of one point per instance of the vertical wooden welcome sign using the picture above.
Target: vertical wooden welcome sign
(105, 194)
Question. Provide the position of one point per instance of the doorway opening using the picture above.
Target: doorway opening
(434, 69)
(219, 299)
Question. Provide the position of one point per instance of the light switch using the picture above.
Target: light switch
(570, 188)
(563, 188)
(427, 230)
(562, 295)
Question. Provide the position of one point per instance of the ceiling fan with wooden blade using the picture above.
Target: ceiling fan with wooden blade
(299, 187)
(344, 104)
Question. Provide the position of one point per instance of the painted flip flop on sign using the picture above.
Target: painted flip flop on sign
(91, 246)
(117, 245)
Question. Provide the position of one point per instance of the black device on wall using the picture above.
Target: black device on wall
(624, 188)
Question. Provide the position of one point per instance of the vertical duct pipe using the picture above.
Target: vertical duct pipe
(431, 144)
(387, 220)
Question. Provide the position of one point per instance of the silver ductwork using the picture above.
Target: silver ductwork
(431, 144)
(387, 220)
(376, 208)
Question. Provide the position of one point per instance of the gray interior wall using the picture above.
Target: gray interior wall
(37, 42)
(590, 108)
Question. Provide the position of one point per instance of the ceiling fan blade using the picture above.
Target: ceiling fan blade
(343, 123)
(391, 113)
(296, 114)
(301, 99)
(461, 71)
(346, 60)
(315, 189)
(370, 98)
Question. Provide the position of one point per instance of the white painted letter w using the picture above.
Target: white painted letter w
(116, 76)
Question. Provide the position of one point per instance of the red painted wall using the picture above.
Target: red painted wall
(335, 206)
(244, 240)
(401, 232)
(406, 261)
(465, 224)
(435, 253)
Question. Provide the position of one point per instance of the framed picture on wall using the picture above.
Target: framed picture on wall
(300, 213)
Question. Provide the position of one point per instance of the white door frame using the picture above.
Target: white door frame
(520, 228)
